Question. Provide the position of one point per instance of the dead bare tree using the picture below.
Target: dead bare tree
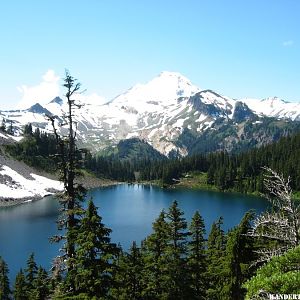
(281, 224)
(73, 193)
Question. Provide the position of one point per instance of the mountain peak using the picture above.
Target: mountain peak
(57, 100)
(164, 89)
(38, 109)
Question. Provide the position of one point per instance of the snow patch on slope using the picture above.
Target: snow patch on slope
(14, 185)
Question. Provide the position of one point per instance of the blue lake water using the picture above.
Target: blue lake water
(128, 210)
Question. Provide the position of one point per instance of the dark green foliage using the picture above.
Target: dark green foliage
(279, 276)
(28, 130)
(3, 126)
(41, 285)
(34, 284)
(135, 148)
(31, 271)
(37, 149)
(197, 258)
(177, 254)
(20, 287)
(156, 272)
(215, 260)
(237, 172)
(129, 278)
(238, 258)
(74, 193)
(94, 255)
(4, 281)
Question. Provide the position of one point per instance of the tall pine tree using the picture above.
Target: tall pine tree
(20, 287)
(4, 281)
(215, 260)
(94, 255)
(177, 254)
(155, 259)
(197, 257)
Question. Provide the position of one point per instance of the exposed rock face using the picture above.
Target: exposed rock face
(162, 111)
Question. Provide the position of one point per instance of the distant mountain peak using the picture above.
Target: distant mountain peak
(165, 89)
(38, 109)
(57, 100)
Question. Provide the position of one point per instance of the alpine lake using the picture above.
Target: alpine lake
(128, 209)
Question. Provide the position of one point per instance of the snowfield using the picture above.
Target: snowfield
(157, 110)
(16, 186)
(21, 183)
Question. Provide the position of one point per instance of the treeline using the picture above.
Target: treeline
(37, 149)
(238, 172)
(175, 261)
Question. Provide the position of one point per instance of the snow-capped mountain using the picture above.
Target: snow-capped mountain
(274, 107)
(168, 112)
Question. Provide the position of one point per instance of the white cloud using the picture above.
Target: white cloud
(288, 43)
(44, 92)
(48, 89)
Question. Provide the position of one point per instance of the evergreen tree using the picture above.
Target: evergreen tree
(31, 271)
(94, 255)
(215, 260)
(74, 193)
(28, 129)
(130, 283)
(4, 281)
(197, 257)
(3, 126)
(239, 255)
(177, 254)
(20, 287)
(41, 285)
(155, 259)
(279, 276)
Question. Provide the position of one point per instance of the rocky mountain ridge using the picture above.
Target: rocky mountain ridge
(166, 112)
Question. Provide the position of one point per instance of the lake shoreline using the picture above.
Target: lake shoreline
(88, 182)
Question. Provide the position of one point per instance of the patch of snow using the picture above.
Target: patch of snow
(201, 118)
(17, 138)
(21, 187)
(132, 135)
(179, 122)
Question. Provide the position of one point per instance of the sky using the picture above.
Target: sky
(237, 48)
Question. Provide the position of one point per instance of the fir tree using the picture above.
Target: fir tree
(177, 254)
(3, 125)
(31, 271)
(41, 285)
(94, 255)
(130, 284)
(20, 287)
(215, 260)
(4, 281)
(155, 259)
(74, 193)
(239, 255)
(197, 257)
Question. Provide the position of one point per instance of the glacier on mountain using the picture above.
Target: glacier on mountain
(157, 112)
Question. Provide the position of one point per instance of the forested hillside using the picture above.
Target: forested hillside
(135, 160)
(239, 172)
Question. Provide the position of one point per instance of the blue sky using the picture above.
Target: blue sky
(237, 48)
